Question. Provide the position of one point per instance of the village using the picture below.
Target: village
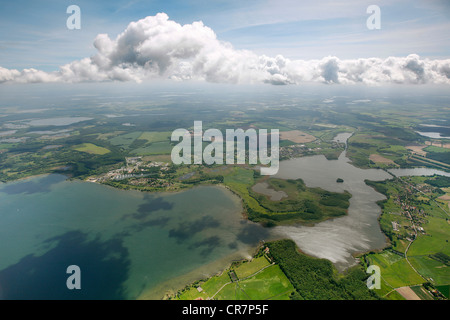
(139, 173)
(407, 200)
(415, 201)
(300, 150)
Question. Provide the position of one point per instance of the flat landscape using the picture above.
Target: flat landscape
(131, 152)
(418, 230)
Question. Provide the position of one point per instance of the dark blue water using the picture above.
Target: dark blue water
(126, 243)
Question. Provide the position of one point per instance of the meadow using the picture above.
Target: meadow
(255, 279)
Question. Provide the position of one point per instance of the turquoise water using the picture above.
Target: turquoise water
(129, 243)
(125, 242)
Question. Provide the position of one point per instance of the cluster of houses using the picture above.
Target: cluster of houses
(297, 150)
(413, 213)
(135, 168)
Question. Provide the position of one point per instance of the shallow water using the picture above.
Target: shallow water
(129, 243)
(339, 238)
(125, 242)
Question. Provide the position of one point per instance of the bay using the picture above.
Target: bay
(131, 244)
(126, 243)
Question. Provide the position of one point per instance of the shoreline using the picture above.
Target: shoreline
(169, 288)
(152, 293)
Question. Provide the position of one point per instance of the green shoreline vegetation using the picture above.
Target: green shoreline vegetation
(301, 205)
(417, 224)
(280, 271)
(423, 268)
(133, 152)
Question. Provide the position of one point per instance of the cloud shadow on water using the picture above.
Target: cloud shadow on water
(33, 186)
(150, 205)
(104, 268)
(187, 230)
(138, 227)
(210, 244)
(252, 233)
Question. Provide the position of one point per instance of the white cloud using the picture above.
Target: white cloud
(156, 47)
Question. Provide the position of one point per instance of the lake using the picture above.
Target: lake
(402, 172)
(433, 135)
(339, 239)
(130, 244)
(126, 243)
(62, 121)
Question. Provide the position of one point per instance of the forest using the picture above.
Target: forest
(317, 279)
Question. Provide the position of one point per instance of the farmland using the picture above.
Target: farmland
(257, 279)
(280, 272)
(126, 144)
(418, 229)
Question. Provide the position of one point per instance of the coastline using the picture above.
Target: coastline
(167, 289)
(161, 291)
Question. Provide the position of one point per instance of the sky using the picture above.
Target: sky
(275, 42)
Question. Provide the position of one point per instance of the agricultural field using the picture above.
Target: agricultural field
(384, 136)
(156, 136)
(296, 136)
(372, 149)
(395, 271)
(91, 148)
(125, 140)
(256, 279)
(280, 272)
(154, 148)
(419, 233)
(435, 240)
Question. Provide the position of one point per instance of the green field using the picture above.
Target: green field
(431, 269)
(428, 253)
(421, 292)
(362, 144)
(91, 148)
(246, 269)
(125, 140)
(436, 149)
(436, 239)
(155, 148)
(257, 280)
(271, 283)
(445, 290)
(395, 270)
(291, 276)
(155, 136)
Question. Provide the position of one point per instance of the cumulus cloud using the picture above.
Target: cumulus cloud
(156, 47)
